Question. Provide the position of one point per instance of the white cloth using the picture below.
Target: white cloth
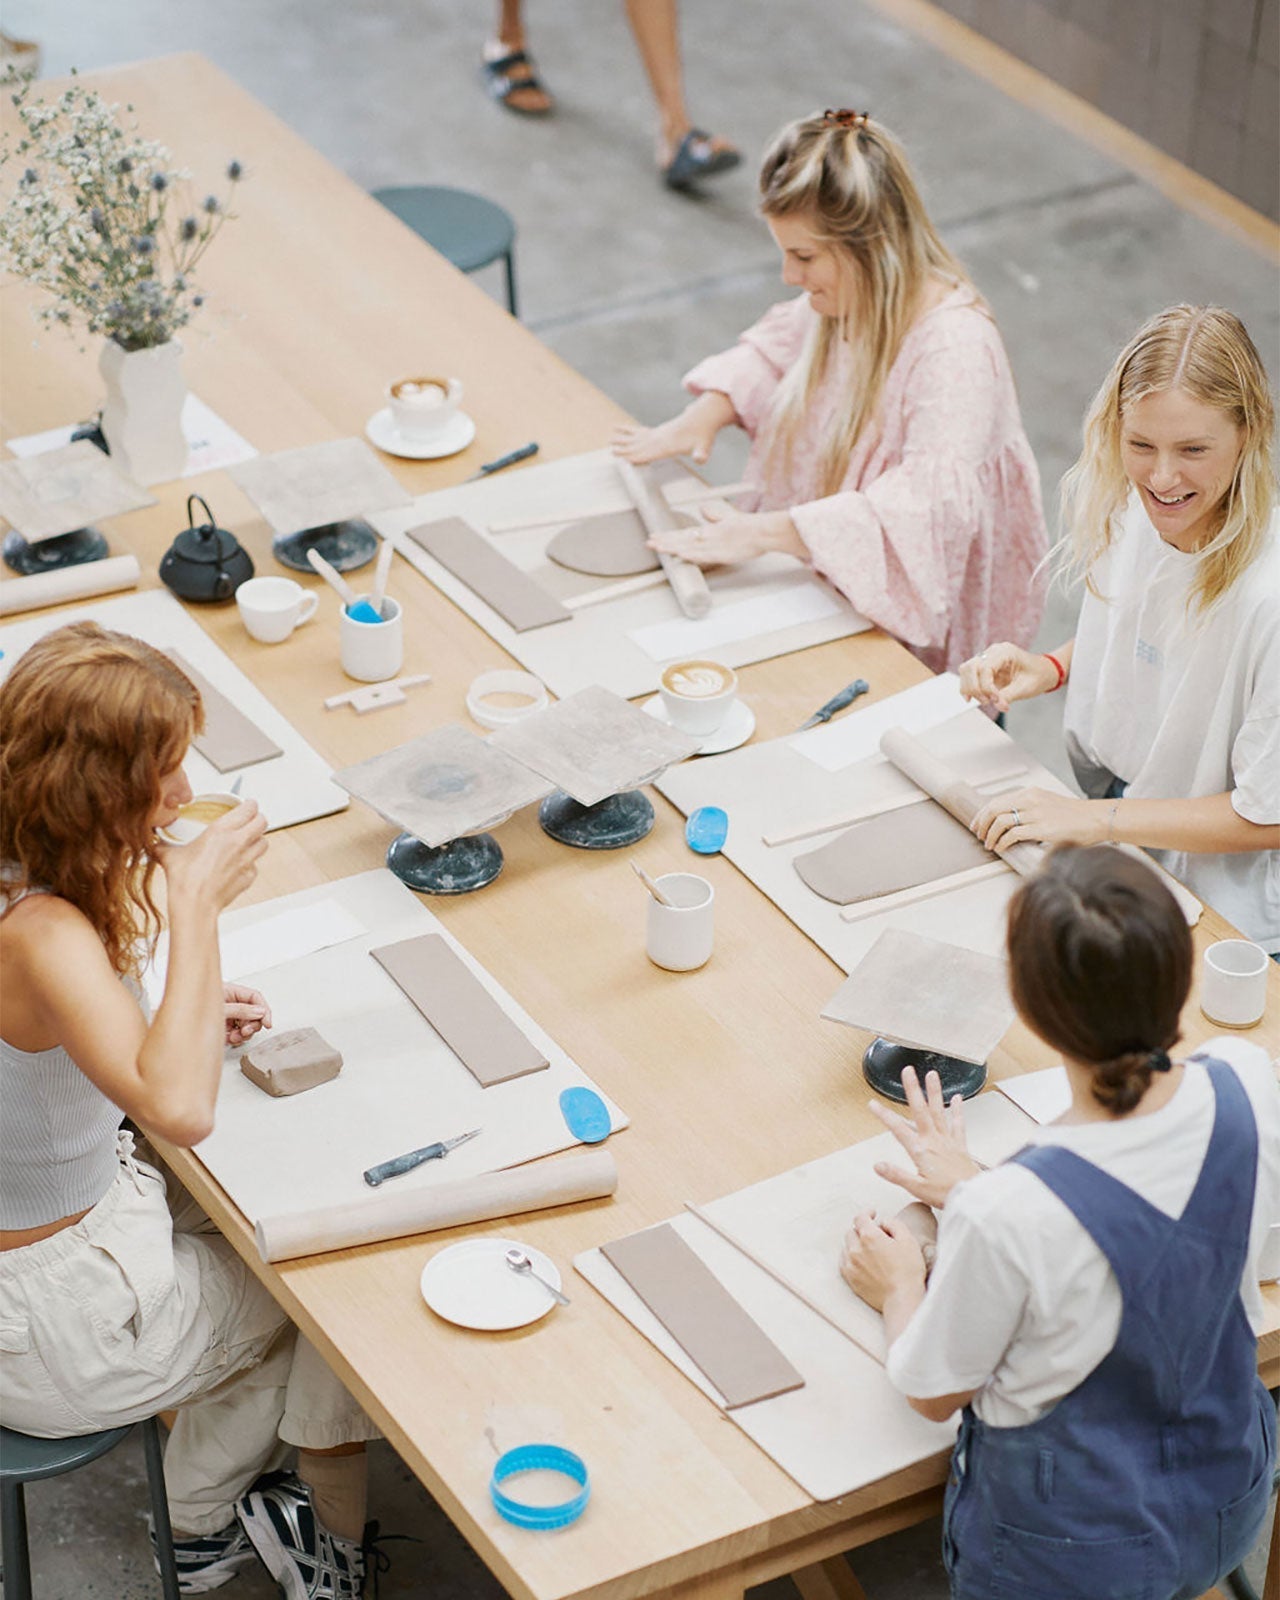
(1022, 1305)
(1180, 706)
(135, 1310)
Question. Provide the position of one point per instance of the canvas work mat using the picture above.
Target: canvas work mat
(623, 639)
(401, 1085)
(294, 786)
(847, 1427)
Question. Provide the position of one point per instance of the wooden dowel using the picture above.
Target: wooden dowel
(922, 891)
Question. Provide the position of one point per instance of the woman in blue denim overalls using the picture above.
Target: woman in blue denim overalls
(1090, 1304)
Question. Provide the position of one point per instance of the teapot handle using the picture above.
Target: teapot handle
(223, 588)
(191, 521)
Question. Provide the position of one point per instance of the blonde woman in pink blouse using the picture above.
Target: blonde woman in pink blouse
(887, 447)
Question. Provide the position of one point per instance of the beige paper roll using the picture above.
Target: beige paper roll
(69, 583)
(688, 582)
(952, 793)
(590, 1175)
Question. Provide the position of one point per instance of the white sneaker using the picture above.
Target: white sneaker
(207, 1563)
(305, 1559)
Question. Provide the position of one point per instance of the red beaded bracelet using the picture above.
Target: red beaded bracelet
(1062, 671)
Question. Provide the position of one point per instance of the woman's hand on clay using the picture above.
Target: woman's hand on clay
(1042, 817)
(726, 535)
(1004, 673)
(246, 1011)
(220, 865)
(880, 1257)
(933, 1137)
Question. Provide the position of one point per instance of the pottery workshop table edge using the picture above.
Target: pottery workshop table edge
(682, 1500)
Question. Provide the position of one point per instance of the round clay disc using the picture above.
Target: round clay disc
(611, 546)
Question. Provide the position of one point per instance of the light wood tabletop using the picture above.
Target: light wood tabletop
(317, 299)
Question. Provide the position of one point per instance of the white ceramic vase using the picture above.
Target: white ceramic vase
(142, 417)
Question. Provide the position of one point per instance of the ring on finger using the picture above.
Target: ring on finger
(1017, 819)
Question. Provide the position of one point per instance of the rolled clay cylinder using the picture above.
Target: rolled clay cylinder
(688, 582)
(943, 784)
(69, 583)
(590, 1175)
(290, 1062)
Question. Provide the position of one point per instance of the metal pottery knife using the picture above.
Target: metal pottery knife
(406, 1163)
(837, 702)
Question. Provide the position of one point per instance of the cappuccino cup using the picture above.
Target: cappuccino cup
(271, 608)
(697, 695)
(422, 408)
(196, 815)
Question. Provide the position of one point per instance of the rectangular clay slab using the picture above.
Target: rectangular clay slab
(702, 1316)
(288, 1063)
(229, 739)
(460, 1009)
(513, 594)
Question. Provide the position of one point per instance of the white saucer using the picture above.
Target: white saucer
(382, 430)
(471, 1284)
(736, 728)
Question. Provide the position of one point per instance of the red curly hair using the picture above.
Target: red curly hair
(90, 722)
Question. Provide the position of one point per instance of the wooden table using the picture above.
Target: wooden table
(318, 297)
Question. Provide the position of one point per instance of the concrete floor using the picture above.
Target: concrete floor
(631, 284)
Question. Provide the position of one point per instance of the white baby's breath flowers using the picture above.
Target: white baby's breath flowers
(101, 219)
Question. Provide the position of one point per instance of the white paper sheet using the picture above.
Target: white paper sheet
(682, 637)
(1043, 1095)
(856, 735)
(211, 442)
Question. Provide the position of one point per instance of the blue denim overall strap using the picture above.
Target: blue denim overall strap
(1151, 1478)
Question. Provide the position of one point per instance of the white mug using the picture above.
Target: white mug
(698, 695)
(422, 408)
(372, 651)
(271, 608)
(679, 936)
(1233, 984)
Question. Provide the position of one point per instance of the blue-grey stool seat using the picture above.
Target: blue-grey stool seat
(465, 228)
(24, 1459)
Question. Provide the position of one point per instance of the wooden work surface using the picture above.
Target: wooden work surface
(318, 297)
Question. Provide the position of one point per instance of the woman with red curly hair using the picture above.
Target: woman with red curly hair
(113, 1305)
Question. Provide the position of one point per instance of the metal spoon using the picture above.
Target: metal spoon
(519, 1262)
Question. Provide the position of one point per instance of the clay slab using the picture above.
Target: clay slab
(610, 546)
(516, 597)
(884, 854)
(318, 484)
(61, 490)
(229, 739)
(444, 785)
(594, 744)
(925, 993)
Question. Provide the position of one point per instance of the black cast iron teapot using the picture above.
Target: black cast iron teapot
(205, 563)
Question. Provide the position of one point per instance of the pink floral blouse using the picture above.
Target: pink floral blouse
(937, 529)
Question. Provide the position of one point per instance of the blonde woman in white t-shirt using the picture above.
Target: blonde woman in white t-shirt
(1172, 718)
(1091, 1303)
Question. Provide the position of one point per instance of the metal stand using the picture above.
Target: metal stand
(48, 555)
(883, 1063)
(346, 545)
(608, 825)
(454, 868)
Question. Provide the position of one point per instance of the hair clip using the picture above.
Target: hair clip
(846, 119)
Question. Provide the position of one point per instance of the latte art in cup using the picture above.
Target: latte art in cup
(697, 679)
(196, 815)
(697, 695)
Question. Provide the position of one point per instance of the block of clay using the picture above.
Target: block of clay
(291, 1062)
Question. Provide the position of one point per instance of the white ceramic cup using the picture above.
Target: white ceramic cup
(197, 814)
(1233, 984)
(372, 651)
(698, 695)
(271, 608)
(679, 936)
(422, 408)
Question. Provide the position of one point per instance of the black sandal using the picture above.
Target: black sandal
(697, 157)
(502, 84)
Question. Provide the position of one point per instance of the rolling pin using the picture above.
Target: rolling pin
(69, 583)
(688, 582)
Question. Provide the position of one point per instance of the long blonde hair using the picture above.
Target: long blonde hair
(90, 722)
(1207, 353)
(848, 178)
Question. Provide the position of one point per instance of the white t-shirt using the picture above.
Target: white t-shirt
(1021, 1304)
(1180, 706)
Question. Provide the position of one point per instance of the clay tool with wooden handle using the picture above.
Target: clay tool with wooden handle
(688, 582)
(360, 610)
(650, 885)
(380, 575)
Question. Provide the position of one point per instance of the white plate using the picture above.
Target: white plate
(471, 1284)
(736, 728)
(382, 430)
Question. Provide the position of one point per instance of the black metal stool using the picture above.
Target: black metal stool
(465, 228)
(24, 1459)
